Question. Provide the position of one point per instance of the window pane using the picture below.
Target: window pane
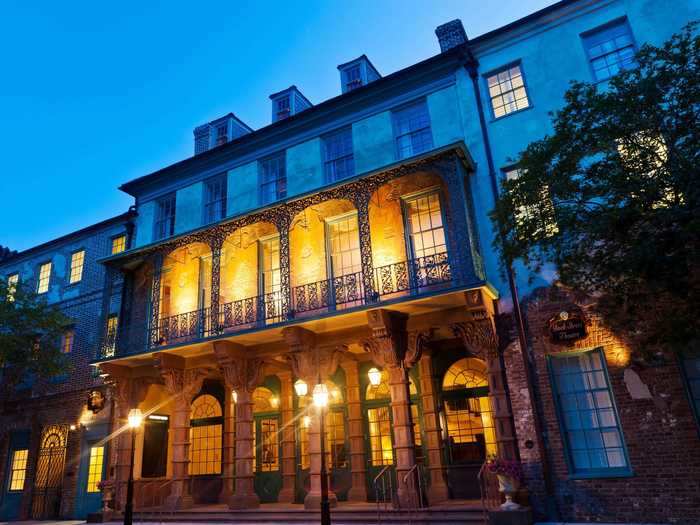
(118, 244)
(76, 266)
(610, 49)
(412, 129)
(95, 468)
(44, 278)
(507, 91)
(19, 469)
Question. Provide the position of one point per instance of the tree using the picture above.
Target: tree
(612, 195)
(31, 331)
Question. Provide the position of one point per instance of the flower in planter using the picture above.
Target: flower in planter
(505, 467)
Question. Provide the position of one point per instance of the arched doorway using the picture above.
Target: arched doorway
(470, 436)
(46, 498)
(336, 445)
(206, 444)
(266, 454)
(378, 426)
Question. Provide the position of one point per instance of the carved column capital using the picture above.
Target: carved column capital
(180, 381)
(241, 373)
(129, 392)
(390, 345)
(478, 336)
(309, 360)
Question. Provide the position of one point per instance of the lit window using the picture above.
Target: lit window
(12, 282)
(339, 161)
(67, 341)
(691, 367)
(215, 199)
(353, 78)
(343, 246)
(271, 277)
(380, 443)
(77, 261)
(610, 49)
(528, 212)
(206, 419)
(97, 455)
(44, 278)
(111, 336)
(426, 230)
(273, 179)
(412, 130)
(507, 91)
(587, 414)
(165, 218)
(19, 469)
(118, 244)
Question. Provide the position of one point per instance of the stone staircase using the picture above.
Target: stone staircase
(344, 514)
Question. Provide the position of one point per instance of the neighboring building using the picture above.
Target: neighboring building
(348, 242)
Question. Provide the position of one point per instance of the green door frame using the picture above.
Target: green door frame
(268, 484)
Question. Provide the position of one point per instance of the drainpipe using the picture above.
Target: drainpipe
(471, 65)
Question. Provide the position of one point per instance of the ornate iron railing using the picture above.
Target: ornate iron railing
(338, 292)
(414, 275)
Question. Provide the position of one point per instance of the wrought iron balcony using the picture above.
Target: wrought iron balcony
(406, 279)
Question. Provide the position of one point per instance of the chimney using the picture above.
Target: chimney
(357, 73)
(218, 132)
(288, 102)
(451, 35)
(6, 253)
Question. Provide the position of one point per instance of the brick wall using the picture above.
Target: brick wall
(660, 432)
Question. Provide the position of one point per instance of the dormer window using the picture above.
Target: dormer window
(353, 78)
(283, 109)
(221, 134)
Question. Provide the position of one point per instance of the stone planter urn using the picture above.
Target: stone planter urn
(107, 487)
(508, 486)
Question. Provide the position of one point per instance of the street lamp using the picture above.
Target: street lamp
(320, 396)
(301, 388)
(375, 376)
(135, 419)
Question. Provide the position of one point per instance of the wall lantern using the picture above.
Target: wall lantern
(320, 395)
(306, 421)
(234, 395)
(301, 388)
(375, 376)
(274, 401)
(135, 418)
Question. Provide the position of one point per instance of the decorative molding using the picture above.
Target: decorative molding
(308, 360)
(478, 336)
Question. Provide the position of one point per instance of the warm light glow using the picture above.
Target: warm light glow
(72, 427)
(135, 418)
(301, 388)
(274, 402)
(320, 395)
(375, 376)
(306, 421)
(234, 395)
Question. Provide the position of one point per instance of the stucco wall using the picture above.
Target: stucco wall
(304, 170)
(373, 142)
(189, 207)
(242, 189)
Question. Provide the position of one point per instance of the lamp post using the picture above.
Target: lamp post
(135, 418)
(320, 396)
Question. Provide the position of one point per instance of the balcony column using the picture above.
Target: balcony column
(215, 245)
(437, 490)
(242, 374)
(312, 364)
(392, 348)
(356, 432)
(286, 495)
(361, 201)
(182, 384)
(107, 343)
(128, 394)
(460, 233)
(283, 222)
(154, 322)
(479, 337)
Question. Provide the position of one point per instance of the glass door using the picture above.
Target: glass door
(266, 454)
(270, 307)
(344, 261)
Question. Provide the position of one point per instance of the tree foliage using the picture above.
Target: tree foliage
(31, 332)
(611, 196)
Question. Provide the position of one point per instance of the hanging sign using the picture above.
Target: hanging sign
(567, 326)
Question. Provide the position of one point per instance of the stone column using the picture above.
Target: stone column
(437, 489)
(242, 374)
(286, 495)
(182, 384)
(356, 433)
(312, 363)
(227, 470)
(396, 350)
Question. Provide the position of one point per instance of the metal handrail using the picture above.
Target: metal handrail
(488, 500)
(383, 477)
(417, 495)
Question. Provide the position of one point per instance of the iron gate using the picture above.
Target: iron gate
(46, 498)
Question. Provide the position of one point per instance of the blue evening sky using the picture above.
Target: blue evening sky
(93, 94)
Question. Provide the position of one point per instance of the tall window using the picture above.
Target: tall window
(110, 343)
(283, 108)
(221, 134)
(353, 78)
(338, 156)
(425, 226)
(273, 179)
(344, 246)
(412, 130)
(118, 244)
(18, 469)
(97, 455)
(610, 49)
(215, 199)
(12, 282)
(44, 278)
(270, 277)
(77, 261)
(587, 414)
(67, 341)
(266, 453)
(165, 217)
(205, 436)
(380, 444)
(507, 91)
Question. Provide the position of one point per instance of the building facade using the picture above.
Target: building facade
(348, 244)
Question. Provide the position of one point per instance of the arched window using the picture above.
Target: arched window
(206, 419)
(266, 452)
(470, 426)
(264, 400)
